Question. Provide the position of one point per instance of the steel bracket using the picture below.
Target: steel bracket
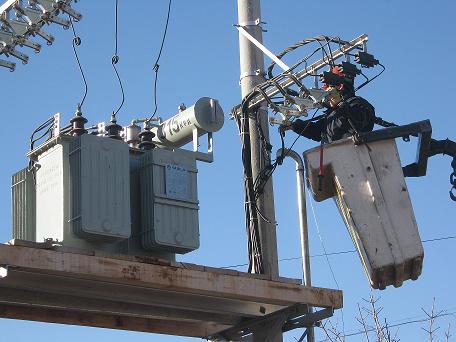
(427, 147)
(420, 129)
(251, 73)
(290, 318)
(256, 22)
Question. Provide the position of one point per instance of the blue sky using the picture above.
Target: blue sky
(413, 39)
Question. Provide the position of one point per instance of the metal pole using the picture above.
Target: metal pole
(252, 71)
(303, 229)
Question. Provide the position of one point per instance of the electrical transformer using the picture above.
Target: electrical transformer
(115, 190)
(82, 191)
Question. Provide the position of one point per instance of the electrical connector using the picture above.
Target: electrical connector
(349, 69)
(365, 59)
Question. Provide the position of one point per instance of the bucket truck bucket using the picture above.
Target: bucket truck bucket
(368, 186)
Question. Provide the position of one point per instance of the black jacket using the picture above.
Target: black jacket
(349, 116)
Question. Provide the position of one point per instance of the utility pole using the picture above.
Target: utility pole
(252, 71)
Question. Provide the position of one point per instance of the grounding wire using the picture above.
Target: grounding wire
(156, 66)
(76, 41)
(115, 59)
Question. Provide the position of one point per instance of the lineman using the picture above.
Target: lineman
(346, 113)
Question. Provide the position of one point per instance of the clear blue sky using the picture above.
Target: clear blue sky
(413, 39)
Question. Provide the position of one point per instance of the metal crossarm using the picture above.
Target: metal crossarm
(19, 22)
(357, 43)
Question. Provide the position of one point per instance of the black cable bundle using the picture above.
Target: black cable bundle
(453, 180)
(251, 219)
(48, 125)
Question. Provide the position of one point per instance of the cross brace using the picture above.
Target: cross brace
(290, 318)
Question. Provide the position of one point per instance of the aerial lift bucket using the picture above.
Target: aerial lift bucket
(368, 186)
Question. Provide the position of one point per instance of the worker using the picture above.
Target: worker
(346, 113)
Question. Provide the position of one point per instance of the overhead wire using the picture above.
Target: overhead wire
(425, 319)
(156, 66)
(349, 251)
(115, 59)
(76, 41)
(304, 42)
(373, 78)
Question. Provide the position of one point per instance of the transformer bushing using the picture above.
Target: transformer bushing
(146, 137)
(78, 122)
(113, 129)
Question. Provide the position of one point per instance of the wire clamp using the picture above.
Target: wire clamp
(250, 23)
(256, 72)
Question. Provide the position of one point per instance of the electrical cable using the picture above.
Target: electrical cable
(396, 325)
(76, 41)
(317, 226)
(349, 251)
(156, 66)
(370, 80)
(304, 42)
(251, 219)
(115, 60)
(47, 124)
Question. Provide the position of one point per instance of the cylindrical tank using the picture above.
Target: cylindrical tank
(205, 115)
(132, 135)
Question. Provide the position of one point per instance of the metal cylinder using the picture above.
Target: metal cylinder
(132, 135)
(303, 229)
(205, 115)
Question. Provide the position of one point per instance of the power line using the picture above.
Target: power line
(396, 325)
(156, 65)
(343, 252)
(115, 59)
(76, 41)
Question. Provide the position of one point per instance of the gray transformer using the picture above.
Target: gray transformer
(99, 188)
(169, 201)
(96, 193)
(82, 191)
